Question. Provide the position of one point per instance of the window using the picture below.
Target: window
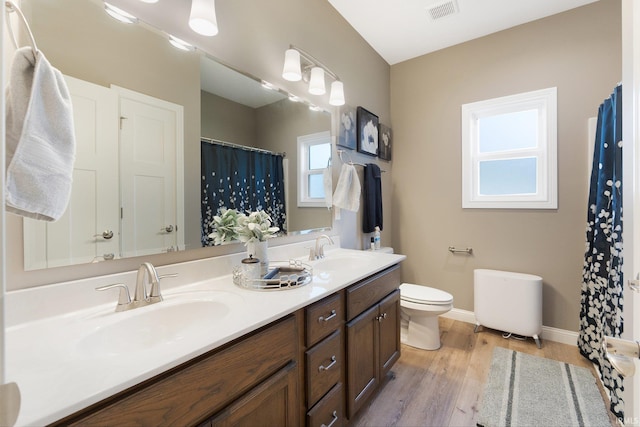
(314, 154)
(509, 152)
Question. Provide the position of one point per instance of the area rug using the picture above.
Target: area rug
(525, 390)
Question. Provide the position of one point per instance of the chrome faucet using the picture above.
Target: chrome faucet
(140, 296)
(318, 251)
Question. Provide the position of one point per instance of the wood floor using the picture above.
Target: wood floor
(444, 387)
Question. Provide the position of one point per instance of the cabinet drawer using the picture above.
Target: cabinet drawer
(363, 295)
(328, 412)
(323, 317)
(207, 384)
(323, 366)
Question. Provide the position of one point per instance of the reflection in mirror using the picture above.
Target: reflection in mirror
(152, 201)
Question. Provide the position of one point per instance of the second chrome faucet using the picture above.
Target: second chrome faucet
(140, 296)
(317, 252)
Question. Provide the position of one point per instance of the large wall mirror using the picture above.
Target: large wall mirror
(180, 97)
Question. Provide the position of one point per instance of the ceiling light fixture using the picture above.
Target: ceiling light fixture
(203, 17)
(316, 83)
(299, 65)
(119, 14)
(149, 1)
(337, 93)
(291, 70)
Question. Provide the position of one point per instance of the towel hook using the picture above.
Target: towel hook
(10, 7)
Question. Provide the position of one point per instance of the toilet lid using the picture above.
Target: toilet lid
(424, 295)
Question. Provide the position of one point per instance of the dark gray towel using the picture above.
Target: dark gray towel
(372, 198)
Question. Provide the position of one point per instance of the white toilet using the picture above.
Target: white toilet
(421, 307)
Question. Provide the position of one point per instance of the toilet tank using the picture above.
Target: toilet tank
(507, 301)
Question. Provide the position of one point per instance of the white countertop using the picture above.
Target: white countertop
(60, 370)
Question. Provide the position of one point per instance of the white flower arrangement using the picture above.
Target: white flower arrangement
(233, 225)
(225, 226)
(255, 227)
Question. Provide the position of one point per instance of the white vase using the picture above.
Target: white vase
(259, 250)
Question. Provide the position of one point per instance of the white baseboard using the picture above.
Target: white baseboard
(548, 333)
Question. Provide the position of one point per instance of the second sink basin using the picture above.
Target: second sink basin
(340, 261)
(143, 328)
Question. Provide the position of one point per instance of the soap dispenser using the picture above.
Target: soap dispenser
(376, 238)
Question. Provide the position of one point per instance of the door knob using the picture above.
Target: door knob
(106, 234)
(167, 229)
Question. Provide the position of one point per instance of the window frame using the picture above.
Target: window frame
(304, 144)
(544, 101)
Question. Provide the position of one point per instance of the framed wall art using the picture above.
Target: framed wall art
(384, 150)
(367, 132)
(347, 136)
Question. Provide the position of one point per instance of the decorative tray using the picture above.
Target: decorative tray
(282, 275)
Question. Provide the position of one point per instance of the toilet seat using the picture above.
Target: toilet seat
(417, 294)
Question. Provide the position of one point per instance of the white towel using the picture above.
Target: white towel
(327, 184)
(347, 194)
(40, 138)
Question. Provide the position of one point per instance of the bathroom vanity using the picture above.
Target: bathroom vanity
(312, 355)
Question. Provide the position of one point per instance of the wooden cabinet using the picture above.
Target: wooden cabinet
(255, 377)
(372, 335)
(268, 404)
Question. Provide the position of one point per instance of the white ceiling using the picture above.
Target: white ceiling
(403, 29)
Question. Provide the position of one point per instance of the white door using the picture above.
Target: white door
(88, 230)
(151, 134)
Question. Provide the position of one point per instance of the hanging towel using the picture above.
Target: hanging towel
(40, 138)
(347, 194)
(372, 198)
(327, 184)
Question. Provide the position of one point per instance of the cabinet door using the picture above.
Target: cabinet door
(269, 404)
(362, 359)
(389, 332)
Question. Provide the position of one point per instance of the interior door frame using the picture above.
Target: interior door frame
(631, 192)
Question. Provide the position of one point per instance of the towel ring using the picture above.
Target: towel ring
(10, 7)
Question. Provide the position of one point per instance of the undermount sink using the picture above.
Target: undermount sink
(146, 327)
(337, 262)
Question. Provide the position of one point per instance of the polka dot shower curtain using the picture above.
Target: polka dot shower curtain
(242, 179)
(601, 310)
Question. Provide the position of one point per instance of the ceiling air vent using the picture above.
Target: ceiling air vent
(442, 9)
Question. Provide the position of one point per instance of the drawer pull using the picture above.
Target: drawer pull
(325, 368)
(335, 418)
(329, 317)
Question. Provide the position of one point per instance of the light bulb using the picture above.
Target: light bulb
(291, 70)
(337, 93)
(316, 84)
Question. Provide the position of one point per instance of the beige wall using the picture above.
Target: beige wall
(579, 52)
(227, 121)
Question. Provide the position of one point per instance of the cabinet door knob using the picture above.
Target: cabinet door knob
(329, 317)
(324, 368)
(335, 418)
